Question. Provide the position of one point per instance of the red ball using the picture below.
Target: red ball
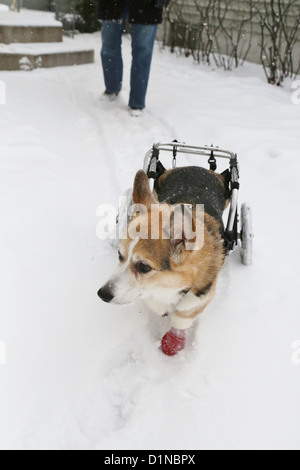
(173, 342)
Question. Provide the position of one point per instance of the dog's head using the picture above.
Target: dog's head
(153, 257)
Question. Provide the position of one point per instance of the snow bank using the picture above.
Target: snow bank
(4, 7)
(81, 374)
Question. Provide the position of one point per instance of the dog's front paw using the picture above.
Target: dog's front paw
(173, 342)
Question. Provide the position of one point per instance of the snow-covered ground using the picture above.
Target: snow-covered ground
(81, 374)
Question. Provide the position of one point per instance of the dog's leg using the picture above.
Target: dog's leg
(190, 307)
(186, 312)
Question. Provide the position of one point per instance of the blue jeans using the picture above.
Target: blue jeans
(143, 37)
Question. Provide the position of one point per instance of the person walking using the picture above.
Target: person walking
(144, 16)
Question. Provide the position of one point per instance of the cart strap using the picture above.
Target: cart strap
(160, 170)
(227, 181)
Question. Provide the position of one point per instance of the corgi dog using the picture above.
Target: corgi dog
(161, 270)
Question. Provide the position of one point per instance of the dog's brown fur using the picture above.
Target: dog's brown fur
(194, 271)
(157, 261)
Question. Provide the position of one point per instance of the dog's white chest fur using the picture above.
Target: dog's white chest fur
(162, 300)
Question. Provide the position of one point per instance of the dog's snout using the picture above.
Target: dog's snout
(106, 293)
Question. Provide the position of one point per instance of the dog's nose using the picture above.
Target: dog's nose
(106, 293)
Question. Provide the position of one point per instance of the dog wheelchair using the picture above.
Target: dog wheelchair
(238, 229)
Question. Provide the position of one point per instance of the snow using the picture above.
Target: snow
(37, 48)
(4, 7)
(81, 374)
(27, 18)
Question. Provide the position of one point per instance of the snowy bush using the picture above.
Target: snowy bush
(206, 30)
(88, 12)
(224, 32)
(279, 33)
(78, 15)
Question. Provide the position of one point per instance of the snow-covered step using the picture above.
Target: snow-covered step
(44, 55)
(29, 26)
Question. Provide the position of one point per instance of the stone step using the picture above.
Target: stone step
(28, 27)
(28, 34)
(42, 55)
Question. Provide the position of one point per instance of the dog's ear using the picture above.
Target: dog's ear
(182, 229)
(141, 190)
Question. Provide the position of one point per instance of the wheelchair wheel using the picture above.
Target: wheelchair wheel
(246, 235)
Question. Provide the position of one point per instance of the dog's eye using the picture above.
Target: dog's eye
(121, 257)
(143, 268)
